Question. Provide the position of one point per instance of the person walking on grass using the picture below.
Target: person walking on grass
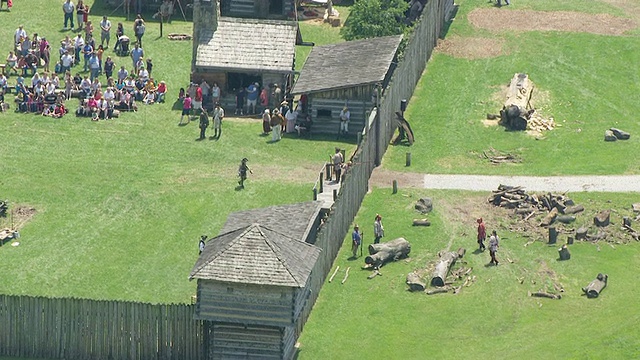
(201, 243)
(356, 240)
(242, 172)
(482, 234)
(204, 123)
(494, 244)
(378, 229)
(186, 109)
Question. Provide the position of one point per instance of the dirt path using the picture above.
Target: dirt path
(589, 183)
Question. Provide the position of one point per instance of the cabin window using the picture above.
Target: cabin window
(276, 7)
(324, 113)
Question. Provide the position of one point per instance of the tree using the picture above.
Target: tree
(375, 18)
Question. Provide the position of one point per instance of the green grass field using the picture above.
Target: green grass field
(588, 82)
(121, 204)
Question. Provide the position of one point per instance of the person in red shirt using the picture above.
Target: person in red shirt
(482, 234)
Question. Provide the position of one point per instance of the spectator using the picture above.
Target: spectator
(266, 122)
(105, 31)
(79, 46)
(206, 92)
(161, 92)
(149, 65)
(19, 35)
(252, 97)
(87, 51)
(119, 33)
(197, 100)
(186, 109)
(218, 116)
(81, 11)
(9, 4)
(68, 8)
(240, 96)
(66, 62)
(136, 54)
(4, 87)
(108, 67)
(122, 73)
(94, 65)
(264, 98)
(88, 29)
(143, 74)
(12, 61)
(85, 87)
(215, 93)
(139, 28)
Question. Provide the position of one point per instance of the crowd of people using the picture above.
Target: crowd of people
(49, 87)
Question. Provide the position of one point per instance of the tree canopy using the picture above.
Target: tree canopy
(375, 18)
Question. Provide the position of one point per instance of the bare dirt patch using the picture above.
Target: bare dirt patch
(498, 20)
(15, 220)
(471, 48)
(384, 178)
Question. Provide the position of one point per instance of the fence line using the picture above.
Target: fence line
(91, 329)
(372, 147)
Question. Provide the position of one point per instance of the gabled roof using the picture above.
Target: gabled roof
(248, 45)
(292, 220)
(347, 64)
(256, 255)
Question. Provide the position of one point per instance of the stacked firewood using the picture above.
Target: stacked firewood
(526, 205)
(538, 123)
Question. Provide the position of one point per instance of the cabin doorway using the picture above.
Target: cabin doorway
(238, 80)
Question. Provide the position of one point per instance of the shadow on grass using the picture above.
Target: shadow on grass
(239, 188)
(447, 25)
(177, 105)
(477, 252)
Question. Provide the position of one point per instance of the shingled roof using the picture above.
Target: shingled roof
(256, 255)
(248, 45)
(292, 220)
(347, 64)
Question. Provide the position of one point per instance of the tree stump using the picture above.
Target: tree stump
(635, 207)
(564, 253)
(626, 221)
(595, 287)
(602, 219)
(553, 235)
(581, 233)
(447, 260)
(570, 240)
(380, 254)
(517, 107)
(424, 205)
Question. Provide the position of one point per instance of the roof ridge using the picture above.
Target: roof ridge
(223, 250)
(276, 250)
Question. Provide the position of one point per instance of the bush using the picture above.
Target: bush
(375, 18)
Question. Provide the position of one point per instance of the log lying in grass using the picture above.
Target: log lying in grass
(382, 253)
(549, 218)
(546, 295)
(421, 222)
(447, 260)
(415, 282)
(595, 287)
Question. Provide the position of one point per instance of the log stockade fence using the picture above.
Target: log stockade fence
(64, 328)
(375, 139)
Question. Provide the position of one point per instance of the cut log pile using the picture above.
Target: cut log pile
(525, 205)
(441, 275)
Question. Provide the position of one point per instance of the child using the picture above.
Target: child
(186, 109)
(242, 172)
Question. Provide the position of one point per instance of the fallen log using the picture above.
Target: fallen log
(595, 287)
(382, 253)
(415, 282)
(549, 218)
(438, 291)
(566, 219)
(334, 274)
(573, 209)
(374, 274)
(546, 295)
(346, 275)
(447, 260)
(421, 222)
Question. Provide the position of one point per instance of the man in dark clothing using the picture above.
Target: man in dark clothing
(242, 172)
(482, 234)
(356, 240)
(204, 123)
(201, 244)
(240, 96)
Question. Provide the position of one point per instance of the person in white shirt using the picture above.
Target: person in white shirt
(494, 244)
(20, 34)
(78, 44)
(109, 95)
(55, 81)
(122, 73)
(149, 98)
(66, 62)
(292, 117)
(50, 89)
(3, 84)
(378, 229)
(68, 8)
(345, 116)
(143, 74)
(85, 86)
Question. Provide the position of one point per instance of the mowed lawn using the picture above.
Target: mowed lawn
(120, 205)
(586, 82)
(493, 318)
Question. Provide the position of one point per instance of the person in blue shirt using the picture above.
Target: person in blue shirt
(356, 238)
(252, 97)
(136, 54)
(94, 65)
(87, 50)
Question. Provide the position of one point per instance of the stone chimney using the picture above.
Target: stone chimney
(205, 22)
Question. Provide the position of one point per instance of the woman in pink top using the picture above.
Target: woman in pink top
(186, 108)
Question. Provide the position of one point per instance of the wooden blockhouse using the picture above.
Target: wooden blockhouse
(346, 74)
(258, 9)
(254, 281)
(235, 52)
